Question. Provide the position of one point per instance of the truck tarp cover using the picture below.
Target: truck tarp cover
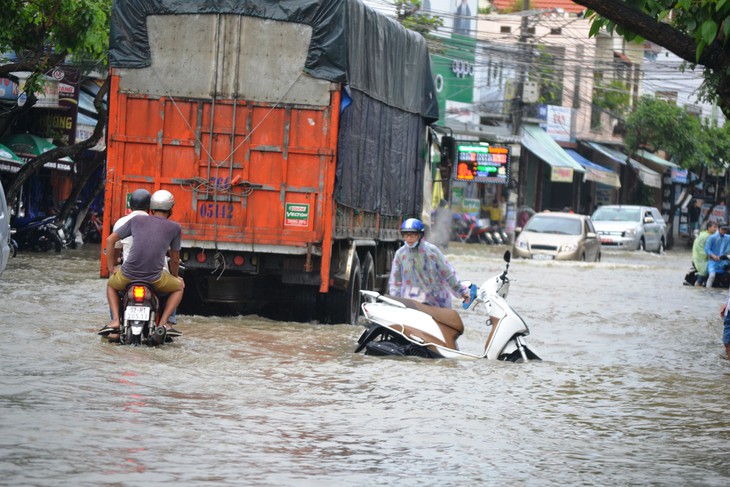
(381, 134)
(351, 43)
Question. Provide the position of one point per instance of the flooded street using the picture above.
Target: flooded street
(633, 389)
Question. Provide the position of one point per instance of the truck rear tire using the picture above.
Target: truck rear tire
(343, 306)
(367, 272)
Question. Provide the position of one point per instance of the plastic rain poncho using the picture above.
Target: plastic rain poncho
(423, 274)
(699, 256)
(716, 245)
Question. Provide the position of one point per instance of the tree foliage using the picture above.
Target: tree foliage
(43, 35)
(657, 124)
(613, 96)
(410, 13)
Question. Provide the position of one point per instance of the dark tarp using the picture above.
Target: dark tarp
(380, 160)
(351, 43)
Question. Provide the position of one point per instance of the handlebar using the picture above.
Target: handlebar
(472, 296)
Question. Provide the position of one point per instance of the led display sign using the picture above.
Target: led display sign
(482, 163)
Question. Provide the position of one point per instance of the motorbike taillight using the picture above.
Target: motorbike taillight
(138, 293)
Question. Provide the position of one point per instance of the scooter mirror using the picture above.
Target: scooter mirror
(507, 256)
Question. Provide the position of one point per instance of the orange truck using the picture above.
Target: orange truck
(294, 136)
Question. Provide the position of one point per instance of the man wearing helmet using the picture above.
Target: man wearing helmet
(153, 235)
(420, 271)
(139, 203)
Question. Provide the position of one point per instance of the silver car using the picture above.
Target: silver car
(631, 227)
(4, 231)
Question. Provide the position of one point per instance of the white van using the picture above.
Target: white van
(4, 231)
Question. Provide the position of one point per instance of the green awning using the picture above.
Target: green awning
(9, 161)
(656, 159)
(537, 141)
(28, 146)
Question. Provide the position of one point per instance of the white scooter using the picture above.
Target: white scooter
(404, 327)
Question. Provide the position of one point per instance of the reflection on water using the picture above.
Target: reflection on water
(632, 391)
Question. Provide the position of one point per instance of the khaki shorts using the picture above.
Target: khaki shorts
(167, 283)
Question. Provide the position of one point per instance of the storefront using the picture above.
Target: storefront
(600, 185)
(633, 174)
(547, 173)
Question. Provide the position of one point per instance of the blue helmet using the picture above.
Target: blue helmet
(412, 225)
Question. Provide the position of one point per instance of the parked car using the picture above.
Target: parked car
(4, 231)
(631, 227)
(558, 236)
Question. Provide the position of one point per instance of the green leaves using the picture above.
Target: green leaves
(708, 31)
(39, 29)
(656, 124)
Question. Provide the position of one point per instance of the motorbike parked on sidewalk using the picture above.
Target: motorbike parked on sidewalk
(468, 229)
(40, 236)
(404, 327)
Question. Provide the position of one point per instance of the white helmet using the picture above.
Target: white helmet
(162, 200)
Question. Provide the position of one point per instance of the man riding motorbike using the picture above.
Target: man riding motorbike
(153, 235)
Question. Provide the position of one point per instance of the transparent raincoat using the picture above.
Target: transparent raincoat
(424, 274)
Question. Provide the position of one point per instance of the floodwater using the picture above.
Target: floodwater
(633, 389)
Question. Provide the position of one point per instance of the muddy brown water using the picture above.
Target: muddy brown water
(633, 389)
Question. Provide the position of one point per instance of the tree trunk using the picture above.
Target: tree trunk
(36, 164)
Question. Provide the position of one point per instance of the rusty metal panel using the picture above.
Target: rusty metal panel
(227, 56)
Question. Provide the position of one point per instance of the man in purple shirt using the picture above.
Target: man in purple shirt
(153, 236)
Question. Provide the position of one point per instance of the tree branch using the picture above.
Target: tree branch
(34, 165)
(660, 33)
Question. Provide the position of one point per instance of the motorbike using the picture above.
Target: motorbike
(140, 315)
(722, 279)
(467, 229)
(91, 227)
(404, 327)
(40, 236)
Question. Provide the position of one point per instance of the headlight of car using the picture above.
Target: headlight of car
(521, 244)
(572, 247)
(631, 232)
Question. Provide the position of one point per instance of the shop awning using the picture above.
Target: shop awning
(9, 161)
(614, 155)
(537, 141)
(656, 159)
(647, 176)
(594, 172)
(29, 146)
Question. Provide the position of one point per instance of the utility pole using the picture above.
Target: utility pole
(517, 103)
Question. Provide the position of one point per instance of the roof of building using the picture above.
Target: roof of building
(504, 6)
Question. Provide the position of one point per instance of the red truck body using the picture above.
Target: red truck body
(226, 115)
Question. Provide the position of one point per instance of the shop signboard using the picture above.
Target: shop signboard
(561, 175)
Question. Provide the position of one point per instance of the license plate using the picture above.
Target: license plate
(606, 240)
(137, 313)
(542, 257)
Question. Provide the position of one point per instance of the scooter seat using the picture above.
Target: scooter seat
(445, 316)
